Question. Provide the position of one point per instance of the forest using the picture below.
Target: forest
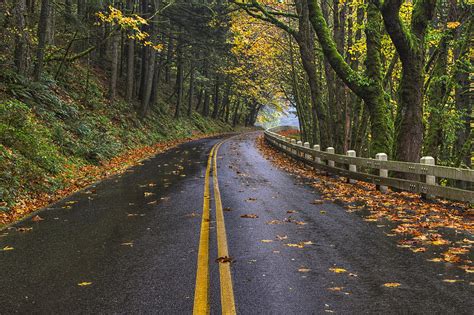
(82, 81)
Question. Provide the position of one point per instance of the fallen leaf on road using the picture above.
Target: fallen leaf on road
(336, 289)
(37, 218)
(300, 223)
(7, 248)
(251, 199)
(418, 250)
(153, 202)
(71, 202)
(193, 214)
(317, 202)
(227, 209)
(392, 284)
(291, 211)
(147, 194)
(249, 216)
(439, 242)
(274, 222)
(458, 250)
(337, 270)
(281, 237)
(435, 259)
(468, 269)
(295, 245)
(468, 241)
(304, 269)
(127, 244)
(266, 241)
(83, 284)
(24, 229)
(322, 212)
(452, 280)
(224, 260)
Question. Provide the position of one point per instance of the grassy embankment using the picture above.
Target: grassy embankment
(56, 133)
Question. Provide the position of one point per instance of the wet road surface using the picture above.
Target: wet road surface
(130, 245)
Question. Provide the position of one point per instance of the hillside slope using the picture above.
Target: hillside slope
(65, 133)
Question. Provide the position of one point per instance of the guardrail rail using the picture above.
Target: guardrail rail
(348, 165)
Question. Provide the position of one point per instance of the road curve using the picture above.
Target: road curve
(130, 245)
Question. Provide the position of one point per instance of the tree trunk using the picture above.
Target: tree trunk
(42, 32)
(191, 90)
(130, 60)
(215, 111)
(179, 74)
(410, 45)
(21, 44)
(114, 58)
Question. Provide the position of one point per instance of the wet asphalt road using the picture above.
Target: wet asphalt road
(135, 237)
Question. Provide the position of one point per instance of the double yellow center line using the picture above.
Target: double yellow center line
(201, 294)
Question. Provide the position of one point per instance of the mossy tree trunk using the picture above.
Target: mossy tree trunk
(368, 87)
(410, 45)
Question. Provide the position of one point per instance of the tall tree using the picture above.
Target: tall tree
(42, 33)
(410, 46)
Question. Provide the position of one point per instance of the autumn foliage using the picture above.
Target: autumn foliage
(440, 229)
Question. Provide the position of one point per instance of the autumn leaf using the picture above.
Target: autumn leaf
(24, 229)
(148, 194)
(37, 218)
(338, 270)
(83, 284)
(227, 209)
(452, 280)
(418, 250)
(281, 237)
(127, 244)
(336, 289)
(439, 242)
(249, 216)
(304, 269)
(224, 259)
(291, 211)
(392, 284)
(452, 25)
(7, 248)
(266, 241)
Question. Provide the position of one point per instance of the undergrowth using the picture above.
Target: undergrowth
(50, 128)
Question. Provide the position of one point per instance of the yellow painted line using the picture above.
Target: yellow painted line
(201, 293)
(227, 291)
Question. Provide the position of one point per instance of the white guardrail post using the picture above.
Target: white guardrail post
(331, 151)
(307, 156)
(317, 147)
(430, 179)
(293, 141)
(301, 144)
(352, 168)
(382, 172)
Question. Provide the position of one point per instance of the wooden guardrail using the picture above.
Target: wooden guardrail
(348, 165)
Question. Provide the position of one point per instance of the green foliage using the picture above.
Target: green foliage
(47, 127)
(20, 131)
